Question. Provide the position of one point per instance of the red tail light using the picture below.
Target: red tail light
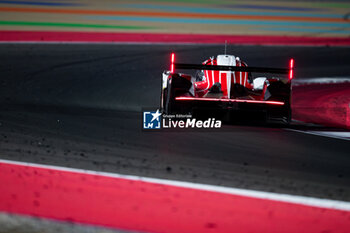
(229, 100)
(172, 63)
(291, 67)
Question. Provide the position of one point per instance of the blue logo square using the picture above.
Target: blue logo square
(151, 120)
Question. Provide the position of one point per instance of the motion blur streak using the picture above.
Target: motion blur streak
(129, 204)
(170, 14)
(322, 103)
(144, 38)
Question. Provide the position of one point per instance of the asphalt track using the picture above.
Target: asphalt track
(80, 106)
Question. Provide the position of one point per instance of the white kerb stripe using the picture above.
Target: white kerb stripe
(337, 135)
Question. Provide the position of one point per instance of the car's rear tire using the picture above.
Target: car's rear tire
(283, 116)
(176, 86)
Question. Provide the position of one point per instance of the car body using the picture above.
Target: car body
(224, 85)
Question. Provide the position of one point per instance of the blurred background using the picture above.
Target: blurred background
(229, 17)
(72, 104)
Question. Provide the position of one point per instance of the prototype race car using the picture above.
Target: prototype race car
(224, 85)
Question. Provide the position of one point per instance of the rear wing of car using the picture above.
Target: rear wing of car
(289, 70)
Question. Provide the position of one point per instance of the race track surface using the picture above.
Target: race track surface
(80, 106)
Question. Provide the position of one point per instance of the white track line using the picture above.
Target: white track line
(331, 134)
(320, 80)
(308, 201)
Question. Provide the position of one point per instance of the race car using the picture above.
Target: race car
(225, 86)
